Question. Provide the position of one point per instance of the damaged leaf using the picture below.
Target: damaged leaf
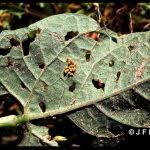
(32, 70)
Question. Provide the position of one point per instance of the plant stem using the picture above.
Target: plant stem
(13, 120)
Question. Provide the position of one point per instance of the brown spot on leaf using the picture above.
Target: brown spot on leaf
(58, 38)
(10, 63)
(98, 84)
(72, 87)
(140, 70)
(45, 86)
(93, 35)
(87, 55)
(42, 106)
(118, 76)
(73, 102)
(111, 63)
(131, 47)
(18, 66)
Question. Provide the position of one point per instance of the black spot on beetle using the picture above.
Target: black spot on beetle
(45, 86)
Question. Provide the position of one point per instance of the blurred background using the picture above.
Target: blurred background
(122, 18)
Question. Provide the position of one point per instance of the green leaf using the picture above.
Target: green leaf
(30, 140)
(92, 121)
(64, 23)
(127, 108)
(49, 85)
(33, 71)
(144, 90)
(34, 134)
(26, 69)
(3, 91)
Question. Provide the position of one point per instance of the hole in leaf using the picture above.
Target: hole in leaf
(32, 34)
(103, 36)
(25, 46)
(111, 63)
(118, 75)
(98, 84)
(4, 52)
(114, 39)
(72, 87)
(42, 106)
(23, 85)
(26, 42)
(70, 35)
(41, 66)
(88, 55)
(14, 42)
(131, 47)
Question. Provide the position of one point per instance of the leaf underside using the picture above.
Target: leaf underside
(112, 84)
